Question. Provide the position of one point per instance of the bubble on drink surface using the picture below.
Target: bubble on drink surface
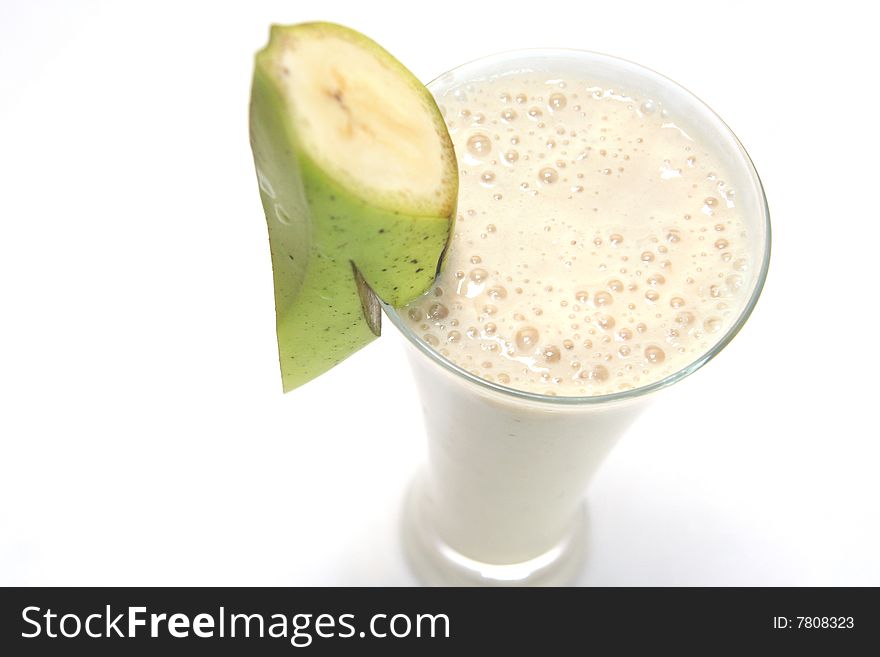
(594, 373)
(567, 344)
(489, 309)
(497, 292)
(453, 336)
(581, 295)
(535, 113)
(487, 178)
(557, 101)
(648, 107)
(676, 302)
(654, 354)
(490, 328)
(625, 334)
(527, 338)
(479, 145)
(511, 155)
(605, 322)
(652, 296)
(721, 244)
(615, 285)
(415, 314)
(602, 299)
(548, 175)
(734, 281)
(508, 115)
(656, 279)
(673, 236)
(712, 324)
(684, 318)
(741, 264)
(551, 354)
(431, 339)
(437, 311)
(624, 350)
(616, 239)
(478, 275)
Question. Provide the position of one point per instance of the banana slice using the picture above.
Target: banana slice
(359, 182)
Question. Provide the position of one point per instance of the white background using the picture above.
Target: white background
(144, 438)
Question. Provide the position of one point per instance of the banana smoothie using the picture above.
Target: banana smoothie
(598, 245)
(611, 235)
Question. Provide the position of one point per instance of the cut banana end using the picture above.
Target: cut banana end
(367, 121)
(359, 184)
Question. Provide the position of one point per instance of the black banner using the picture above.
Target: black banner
(278, 621)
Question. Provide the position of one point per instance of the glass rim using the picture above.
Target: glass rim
(640, 391)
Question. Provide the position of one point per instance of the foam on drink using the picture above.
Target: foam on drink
(597, 246)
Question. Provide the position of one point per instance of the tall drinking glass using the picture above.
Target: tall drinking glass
(501, 498)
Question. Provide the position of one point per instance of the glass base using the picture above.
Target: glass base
(437, 564)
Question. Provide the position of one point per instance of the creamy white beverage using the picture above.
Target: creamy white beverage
(598, 246)
(612, 235)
